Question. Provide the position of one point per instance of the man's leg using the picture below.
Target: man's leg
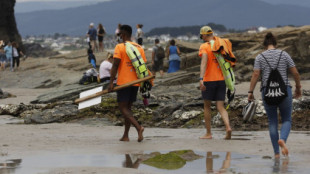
(127, 125)
(207, 117)
(224, 114)
(129, 119)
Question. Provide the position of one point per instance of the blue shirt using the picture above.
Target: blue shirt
(92, 33)
(8, 51)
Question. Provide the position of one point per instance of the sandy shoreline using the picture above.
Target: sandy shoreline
(25, 141)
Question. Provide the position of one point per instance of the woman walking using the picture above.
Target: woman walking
(265, 63)
(174, 59)
(101, 33)
(17, 53)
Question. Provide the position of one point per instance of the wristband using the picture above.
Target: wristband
(200, 78)
(251, 92)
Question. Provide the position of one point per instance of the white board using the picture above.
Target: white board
(90, 102)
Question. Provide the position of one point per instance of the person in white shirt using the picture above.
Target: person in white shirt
(105, 68)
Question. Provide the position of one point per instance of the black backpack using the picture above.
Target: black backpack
(160, 53)
(276, 89)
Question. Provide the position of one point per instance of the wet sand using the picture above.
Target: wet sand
(25, 141)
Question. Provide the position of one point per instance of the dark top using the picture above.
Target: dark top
(92, 34)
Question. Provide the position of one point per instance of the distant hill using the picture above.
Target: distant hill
(237, 14)
(23, 7)
(184, 30)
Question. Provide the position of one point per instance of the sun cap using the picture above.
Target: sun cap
(206, 30)
(91, 24)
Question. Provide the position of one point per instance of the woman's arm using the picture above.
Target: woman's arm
(178, 50)
(296, 76)
(254, 79)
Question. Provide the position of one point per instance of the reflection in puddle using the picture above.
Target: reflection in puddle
(178, 162)
(9, 166)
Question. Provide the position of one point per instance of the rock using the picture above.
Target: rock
(188, 115)
(8, 29)
(69, 92)
(36, 50)
(57, 114)
(4, 95)
(49, 84)
(16, 110)
(217, 120)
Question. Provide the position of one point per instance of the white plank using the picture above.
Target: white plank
(90, 102)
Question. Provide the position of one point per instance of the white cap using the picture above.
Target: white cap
(91, 24)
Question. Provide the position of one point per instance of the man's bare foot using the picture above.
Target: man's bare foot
(283, 147)
(277, 156)
(228, 135)
(124, 139)
(140, 134)
(206, 136)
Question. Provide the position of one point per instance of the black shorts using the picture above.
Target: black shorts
(127, 94)
(158, 65)
(140, 41)
(215, 91)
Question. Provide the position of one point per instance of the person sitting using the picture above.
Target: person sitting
(90, 76)
(105, 69)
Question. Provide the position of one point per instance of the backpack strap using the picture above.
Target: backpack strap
(266, 60)
(279, 59)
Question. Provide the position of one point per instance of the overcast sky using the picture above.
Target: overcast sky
(53, 0)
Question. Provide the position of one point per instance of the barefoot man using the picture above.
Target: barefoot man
(126, 73)
(212, 84)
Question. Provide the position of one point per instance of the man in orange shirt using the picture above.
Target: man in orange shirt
(212, 84)
(126, 73)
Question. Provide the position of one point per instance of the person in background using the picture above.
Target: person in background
(17, 53)
(158, 55)
(2, 58)
(101, 33)
(282, 61)
(92, 34)
(174, 59)
(139, 34)
(117, 33)
(91, 57)
(105, 68)
(8, 49)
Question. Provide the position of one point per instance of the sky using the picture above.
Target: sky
(53, 0)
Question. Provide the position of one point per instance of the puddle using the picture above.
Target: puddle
(7, 119)
(177, 162)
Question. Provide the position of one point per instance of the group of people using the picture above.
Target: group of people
(94, 34)
(10, 55)
(212, 84)
(92, 75)
(158, 55)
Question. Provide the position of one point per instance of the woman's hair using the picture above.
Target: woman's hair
(172, 42)
(140, 25)
(270, 40)
(100, 26)
(14, 44)
(109, 55)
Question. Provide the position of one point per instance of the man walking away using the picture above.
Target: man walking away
(126, 73)
(158, 55)
(212, 84)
